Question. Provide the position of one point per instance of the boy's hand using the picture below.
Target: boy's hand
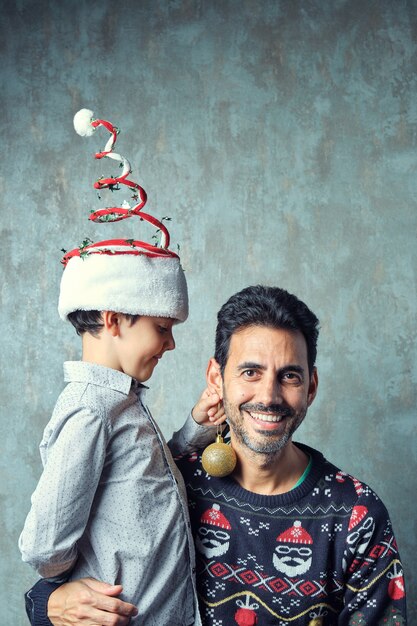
(209, 409)
(89, 602)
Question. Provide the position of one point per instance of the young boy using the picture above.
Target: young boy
(111, 503)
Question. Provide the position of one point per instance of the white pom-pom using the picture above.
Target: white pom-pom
(82, 122)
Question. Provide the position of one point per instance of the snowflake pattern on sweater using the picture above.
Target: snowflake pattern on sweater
(323, 554)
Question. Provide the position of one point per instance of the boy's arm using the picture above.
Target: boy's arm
(62, 499)
(85, 602)
(200, 427)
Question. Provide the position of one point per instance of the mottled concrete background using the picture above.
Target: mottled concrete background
(280, 136)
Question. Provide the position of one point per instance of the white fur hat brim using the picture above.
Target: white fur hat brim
(125, 283)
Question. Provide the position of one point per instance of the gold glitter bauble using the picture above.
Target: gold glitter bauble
(219, 459)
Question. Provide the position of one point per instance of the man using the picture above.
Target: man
(287, 538)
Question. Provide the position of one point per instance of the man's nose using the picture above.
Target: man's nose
(270, 391)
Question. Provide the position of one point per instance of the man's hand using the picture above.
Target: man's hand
(89, 602)
(209, 409)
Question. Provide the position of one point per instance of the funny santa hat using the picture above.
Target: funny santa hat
(123, 275)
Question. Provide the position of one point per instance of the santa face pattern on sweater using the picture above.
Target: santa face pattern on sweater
(293, 556)
(211, 539)
(358, 540)
(323, 553)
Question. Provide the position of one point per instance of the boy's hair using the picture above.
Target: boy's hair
(265, 306)
(92, 321)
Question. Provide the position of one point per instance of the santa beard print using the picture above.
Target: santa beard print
(212, 542)
(292, 561)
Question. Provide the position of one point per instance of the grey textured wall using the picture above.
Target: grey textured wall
(280, 136)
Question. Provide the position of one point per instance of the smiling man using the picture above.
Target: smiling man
(287, 538)
(306, 543)
(266, 388)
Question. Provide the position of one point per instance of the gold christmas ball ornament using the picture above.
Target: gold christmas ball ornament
(219, 458)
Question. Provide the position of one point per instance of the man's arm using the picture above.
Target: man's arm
(374, 582)
(85, 602)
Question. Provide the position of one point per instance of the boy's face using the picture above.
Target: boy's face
(140, 345)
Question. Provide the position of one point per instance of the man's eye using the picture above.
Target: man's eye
(292, 377)
(163, 330)
(250, 373)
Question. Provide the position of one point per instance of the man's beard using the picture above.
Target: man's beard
(276, 443)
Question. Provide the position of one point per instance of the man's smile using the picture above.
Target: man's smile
(266, 417)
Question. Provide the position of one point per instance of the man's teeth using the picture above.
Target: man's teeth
(266, 417)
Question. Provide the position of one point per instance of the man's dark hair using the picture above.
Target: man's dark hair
(265, 306)
(92, 321)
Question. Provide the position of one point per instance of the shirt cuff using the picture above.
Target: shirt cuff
(36, 600)
(200, 435)
(191, 437)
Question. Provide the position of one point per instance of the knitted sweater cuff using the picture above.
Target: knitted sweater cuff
(36, 600)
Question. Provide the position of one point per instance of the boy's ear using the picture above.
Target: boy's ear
(214, 377)
(111, 321)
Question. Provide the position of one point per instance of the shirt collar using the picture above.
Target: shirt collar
(84, 372)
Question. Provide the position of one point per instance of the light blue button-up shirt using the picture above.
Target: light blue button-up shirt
(111, 502)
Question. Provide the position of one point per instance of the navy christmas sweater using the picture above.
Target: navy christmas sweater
(323, 554)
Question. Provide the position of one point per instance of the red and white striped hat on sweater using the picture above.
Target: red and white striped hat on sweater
(215, 517)
(295, 534)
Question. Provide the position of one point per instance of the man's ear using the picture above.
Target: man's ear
(214, 377)
(111, 322)
(312, 389)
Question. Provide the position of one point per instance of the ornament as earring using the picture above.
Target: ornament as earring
(219, 458)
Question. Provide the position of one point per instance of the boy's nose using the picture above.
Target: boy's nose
(170, 342)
